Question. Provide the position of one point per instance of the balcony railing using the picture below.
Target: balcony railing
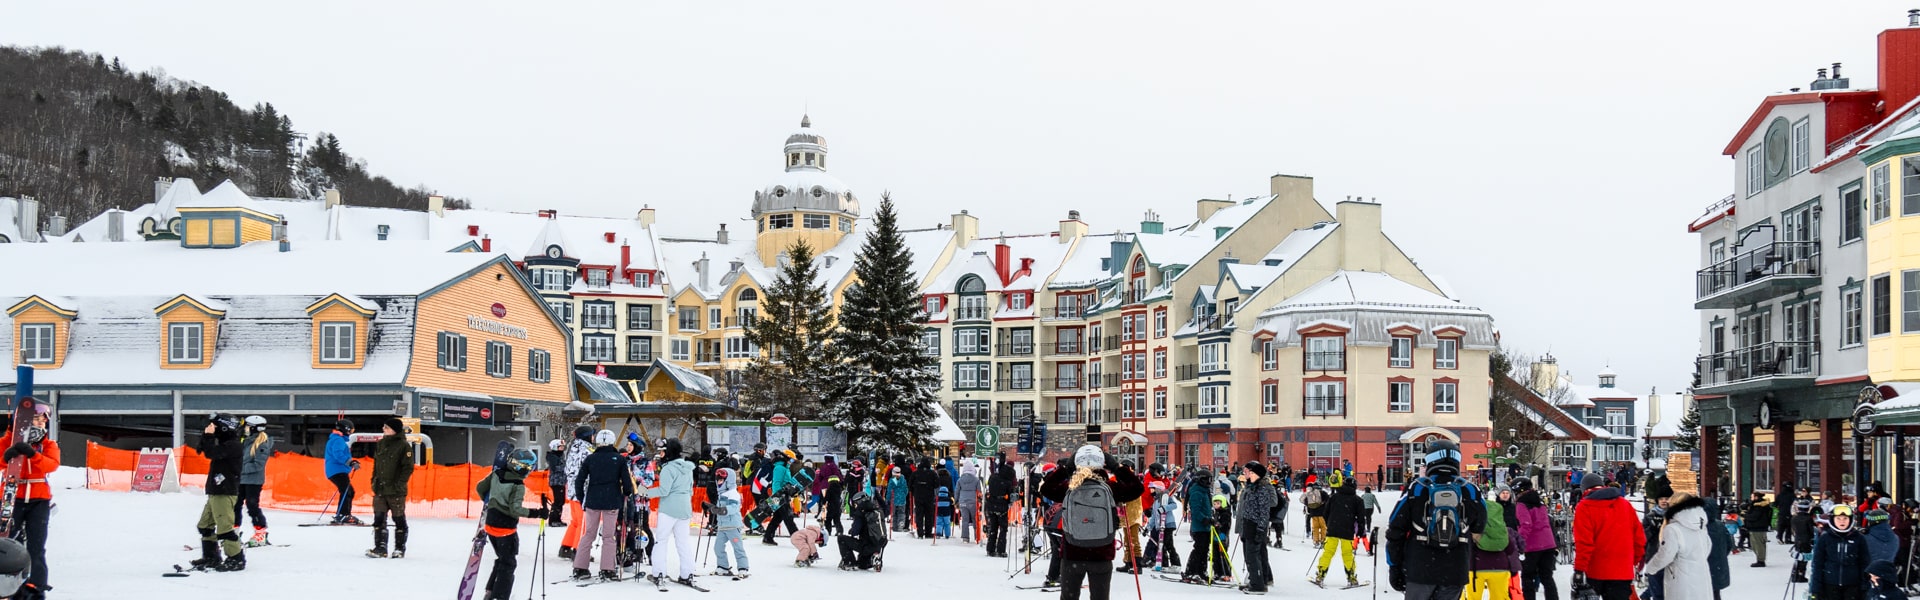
(1013, 384)
(1758, 367)
(1332, 405)
(1063, 312)
(1109, 344)
(1186, 411)
(707, 357)
(1103, 381)
(1111, 415)
(1187, 372)
(1068, 384)
(970, 313)
(639, 325)
(1333, 360)
(1769, 271)
(1210, 322)
(1063, 416)
(1014, 349)
(597, 322)
(1066, 348)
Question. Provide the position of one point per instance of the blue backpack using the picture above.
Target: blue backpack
(1445, 522)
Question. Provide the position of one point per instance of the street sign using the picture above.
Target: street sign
(1486, 455)
(1039, 438)
(1024, 443)
(986, 440)
(778, 419)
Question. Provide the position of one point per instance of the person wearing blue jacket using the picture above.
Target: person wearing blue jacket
(897, 498)
(340, 467)
(1200, 529)
(675, 492)
(728, 526)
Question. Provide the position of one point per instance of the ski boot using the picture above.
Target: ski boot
(724, 572)
(1319, 577)
(398, 553)
(259, 538)
(1353, 581)
(686, 581)
(802, 564)
(609, 575)
(237, 562)
(582, 575)
(566, 553)
(209, 556)
(846, 565)
(740, 574)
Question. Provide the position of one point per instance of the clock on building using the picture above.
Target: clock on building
(553, 252)
(1777, 149)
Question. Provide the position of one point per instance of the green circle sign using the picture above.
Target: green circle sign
(986, 440)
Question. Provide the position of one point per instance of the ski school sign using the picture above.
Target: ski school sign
(496, 327)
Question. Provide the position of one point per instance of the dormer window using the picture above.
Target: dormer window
(184, 343)
(36, 343)
(336, 342)
(1606, 381)
(596, 278)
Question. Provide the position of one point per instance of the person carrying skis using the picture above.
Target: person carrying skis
(1607, 538)
(601, 488)
(676, 514)
(1091, 488)
(1343, 512)
(1255, 508)
(339, 468)
(33, 500)
(866, 539)
(1161, 519)
(1839, 558)
(999, 501)
(258, 447)
(1429, 533)
(728, 527)
(577, 452)
(220, 444)
(505, 489)
(392, 469)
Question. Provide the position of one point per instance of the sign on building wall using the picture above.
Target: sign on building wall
(464, 411)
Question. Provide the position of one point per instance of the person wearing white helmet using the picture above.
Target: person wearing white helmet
(1091, 487)
(258, 447)
(557, 477)
(601, 485)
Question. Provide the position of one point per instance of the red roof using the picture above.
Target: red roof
(1771, 102)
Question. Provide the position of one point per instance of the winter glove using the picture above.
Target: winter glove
(1113, 463)
(19, 450)
(1579, 580)
(1397, 578)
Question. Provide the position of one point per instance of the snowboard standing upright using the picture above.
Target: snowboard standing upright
(471, 578)
(22, 420)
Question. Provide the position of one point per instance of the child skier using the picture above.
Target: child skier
(834, 489)
(504, 490)
(728, 526)
(1495, 560)
(807, 542)
(1839, 555)
(897, 492)
(943, 512)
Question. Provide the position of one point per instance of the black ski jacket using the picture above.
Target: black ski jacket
(225, 453)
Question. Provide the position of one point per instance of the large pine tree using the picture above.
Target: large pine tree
(882, 395)
(795, 322)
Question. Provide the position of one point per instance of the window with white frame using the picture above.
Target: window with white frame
(1756, 176)
(36, 343)
(1066, 410)
(639, 349)
(1326, 398)
(1910, 302)
(1879, 199)
(596, 315)
(562, 310)
(1269, 355)
(1617, 424)
(1852, 214)
(1802, 145)
(596, 278)
(1446, 354)
(643, 279)
(929, 342)
(689, 318)
(1269, 398)
(1016, 301)
(1400, 353)
(1160, 363)
(740, 347)
(972, 375)
(1213, 357)
(539, 366)
(1213, 400)
(1160, 404)
(451, 351)
(1160, 323)
(970, 340)
(184, 343)
(1851, 328)
(779, 221)
(1126, 329)
(552, 280)
(640, 316)
(597, 348)
(1400, 396)
(336, 342)
(1126, 366)
(680, 349)
(817, 221)
(1910, 186)
(1326, 353)
(499, 360)
(713, 318)
(1445, 398)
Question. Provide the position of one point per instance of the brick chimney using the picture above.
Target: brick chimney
(1002, 255)
(1899, 65)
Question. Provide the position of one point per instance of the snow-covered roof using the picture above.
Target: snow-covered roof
(1081, 268)
(225, 195)
(945, 429)
(688, 380)
(601, 388)
(1370, 289)
(258, 269)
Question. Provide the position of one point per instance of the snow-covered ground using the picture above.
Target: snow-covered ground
(116, 545)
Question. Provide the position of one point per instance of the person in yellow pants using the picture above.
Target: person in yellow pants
(1342, 519)
(1496, 559)
(1316, 500)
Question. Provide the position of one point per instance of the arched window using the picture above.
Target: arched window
(748, 295)
(972, 284)
(973, 299)
(1137, 280)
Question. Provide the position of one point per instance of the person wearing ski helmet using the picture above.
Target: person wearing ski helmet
(257, 447)
(1433, 565)
(15, 565)
(675, 492)
(33, 502)
(340, 466)
(1839, 559)
(1882, 544)
(505, 490)
(1608, 542)
(392, 469)
(1092, 564)
(556, 476)
(602, 485)
(220, 444)
(577, 452)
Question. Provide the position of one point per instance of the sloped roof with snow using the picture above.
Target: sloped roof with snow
(1081, 268)
(259, 269)
(687, 380)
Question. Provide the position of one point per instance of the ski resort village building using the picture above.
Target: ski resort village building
(1259, 328)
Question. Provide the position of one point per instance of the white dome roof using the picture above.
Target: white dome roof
(805, 186)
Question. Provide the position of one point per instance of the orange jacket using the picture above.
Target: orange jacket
(35, 474)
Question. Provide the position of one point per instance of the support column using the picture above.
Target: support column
(179, 422)
(1831, 466)
(1709, 466)
(1743, 460)
(1783, 454)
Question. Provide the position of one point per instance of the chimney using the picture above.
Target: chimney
(720, 237)
(27, 216)
(700, 267)
(1026, 268)
(965, 229)
(1360, 240)
(285, 246)
(1913, 18)
(333, 197)
(1152, 224)
(1205, 208)
(437, 205)
(626, 257)
(734, 266)
(1228, 259)
(1546, 375)
(1899, 54)
(486, 243)
(645, 218)
(1117, 251)
(609, 237)
(116, 225)
(1071, 229)
(57, 226)
(279, 230)
(160, 186)
(1002, 261)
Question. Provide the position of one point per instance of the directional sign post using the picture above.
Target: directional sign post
(986, 440)
(1485, 455)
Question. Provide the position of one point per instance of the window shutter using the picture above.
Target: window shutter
(460, 352)
(440, 350)
(506, 361)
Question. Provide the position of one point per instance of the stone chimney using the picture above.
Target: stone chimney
(966, 228)
(333, 197)
(645, 218)
(1072, 228)
(437, 205)
(1360, 240)
(720, 237)
(116, 225)
(1205, 208)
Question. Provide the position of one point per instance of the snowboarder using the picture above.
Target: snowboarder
(676, 512)
(340, 466)
(253, 475)
(33, 502)
(392, 469)
(728, 527)
(1429, 543)
(1089, 518)
(556, 476)
(220, 444)
(602, 486)
(505, 489)
(1254, 510)
(577, 452)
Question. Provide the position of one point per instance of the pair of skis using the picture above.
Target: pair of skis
(23, 409)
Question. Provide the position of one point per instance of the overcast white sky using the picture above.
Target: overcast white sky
(1545, 157)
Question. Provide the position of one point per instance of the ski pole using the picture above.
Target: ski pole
(533, 573)
(1375, 575)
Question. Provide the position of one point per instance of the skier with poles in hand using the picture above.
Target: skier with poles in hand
(505, 489)
(728, 526)
(1343, 510)
(1089, 517)
(340, 466)
(392, 468)
(602, 485)
(1429, 543)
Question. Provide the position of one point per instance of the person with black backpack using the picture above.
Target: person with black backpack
(1090, 489)
(1430, 533)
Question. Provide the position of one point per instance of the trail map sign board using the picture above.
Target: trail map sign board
(986, 441)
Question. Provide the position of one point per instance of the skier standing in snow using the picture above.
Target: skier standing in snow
(728, 526)
(505, 489)
(340, 467)
(1315, 498)
(577, 452)
(1090, 519)
(966, 495)
(1201, 531)
(1000, 488)
(1429, 533)
(1166, 518)
(556, 476)
(923, 484)
(676, 511)
(33, 501)
(258, 447)
(392, 469)
(1839, 558)
(782, 489)
(220, 444)
(1608, 541)
(832, 518)
(1254, 510)
(602, 486)
(1343, 511)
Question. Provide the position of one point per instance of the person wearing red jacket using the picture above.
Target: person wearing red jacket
(33, 502)
(1607, 538)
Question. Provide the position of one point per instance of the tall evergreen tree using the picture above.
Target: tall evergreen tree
(793, 325)
(883, 391)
